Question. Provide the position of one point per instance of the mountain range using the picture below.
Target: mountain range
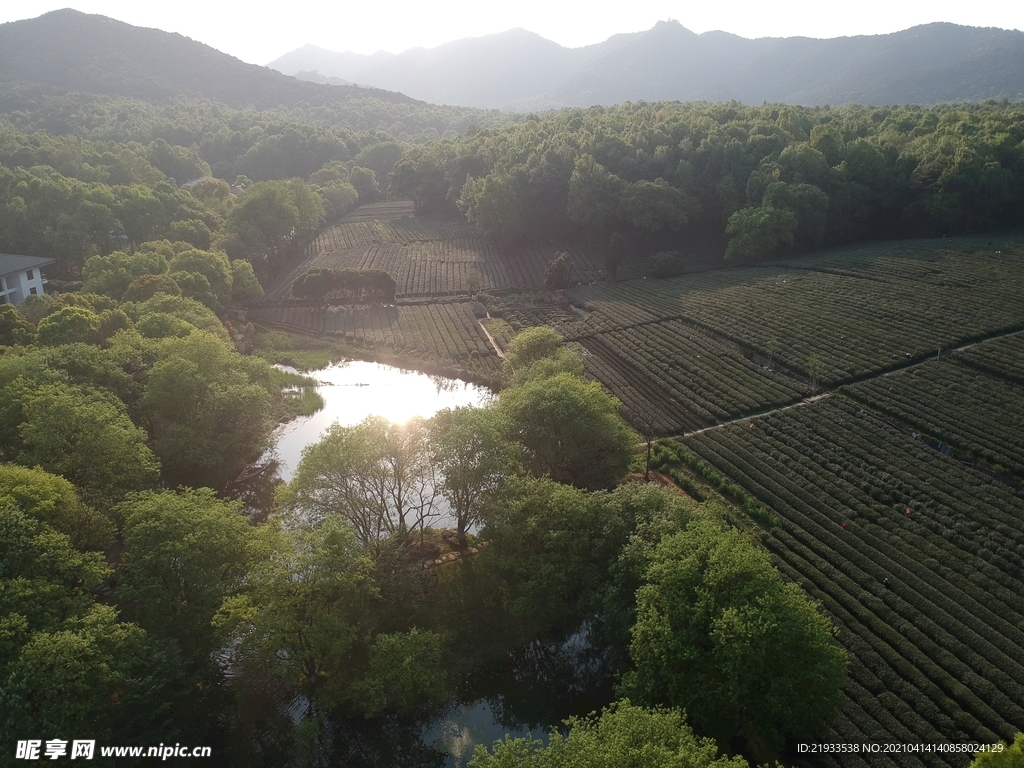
(520, 70)
(67, 50)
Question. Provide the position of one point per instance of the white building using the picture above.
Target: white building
(21, 276)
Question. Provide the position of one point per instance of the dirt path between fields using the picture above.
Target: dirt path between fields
(825, 395)
(490, 338)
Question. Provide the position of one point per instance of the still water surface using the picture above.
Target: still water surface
(356, 389)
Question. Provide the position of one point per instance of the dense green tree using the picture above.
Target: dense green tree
(828, 140)
(184, 553)
(810, 206)
(112, 274)
(14, 328)
(146, 287)
(1011, 756)
(653, 206)
(316, 284)
(271, 217)
(212, 265)
(45, 580)
(140, 213)
(311, 614)
(290, 151)
(70, 325)
(180, 163)
(244, 285)
(665, 264)
(405, 672)
(53, 500)
(67, 665)
(569, 429)
(531, 345)
(207, 407)
(339, 197)
(549, 549)
(195, 232)
(760, 232)
(564, 360)
(496, 203)
(196, 286)
(87, 437)
(800, 163)
(187, 310)
(469, 451)
(364, 181)
(713, 621)
(650, 512)
(380, 158)
(93, 675)
(622, 736)
(593, 196)
(558, 272)
(308, 629)
(537, 352)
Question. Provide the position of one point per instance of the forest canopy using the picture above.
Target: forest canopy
(774, 178)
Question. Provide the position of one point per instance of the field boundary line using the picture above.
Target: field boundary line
(490, 338)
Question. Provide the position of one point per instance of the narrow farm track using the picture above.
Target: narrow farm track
(494, 344)
(823, 395)
(780, 409)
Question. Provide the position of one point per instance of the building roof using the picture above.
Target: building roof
(10, 264)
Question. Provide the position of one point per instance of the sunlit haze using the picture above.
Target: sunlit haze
(253, 35)
(355, 390)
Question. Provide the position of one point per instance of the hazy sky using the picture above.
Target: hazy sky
(260, 33)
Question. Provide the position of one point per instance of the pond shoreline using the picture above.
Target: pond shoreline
(341, 350)
(354, 389)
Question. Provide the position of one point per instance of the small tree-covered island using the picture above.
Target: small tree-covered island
(749, 490)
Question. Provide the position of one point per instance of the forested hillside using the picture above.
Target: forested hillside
(82, 52)
(773, 179)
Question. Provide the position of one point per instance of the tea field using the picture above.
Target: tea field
(918, 559)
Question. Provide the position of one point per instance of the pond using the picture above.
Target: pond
(355, 389)
(530, 692)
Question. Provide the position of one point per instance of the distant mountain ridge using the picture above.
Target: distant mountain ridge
(73, 51)
(927, 64)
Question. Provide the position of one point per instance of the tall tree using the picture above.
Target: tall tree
(714, 621)
(472, 457)
(622, 735)
(569, 429)
(53, 500)
(184, 553)
(87, 437)
(207, 406)
(376, 475)
(311, 615)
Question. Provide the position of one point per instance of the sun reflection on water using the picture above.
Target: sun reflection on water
(356, 389)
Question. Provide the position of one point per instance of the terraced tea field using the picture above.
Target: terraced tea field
(427, 257)
(704, 379)
(688, 352)
(969, 411)
(444, 333)
(704, 348)
(925, 582)
(1003, 358)
(856, 320)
